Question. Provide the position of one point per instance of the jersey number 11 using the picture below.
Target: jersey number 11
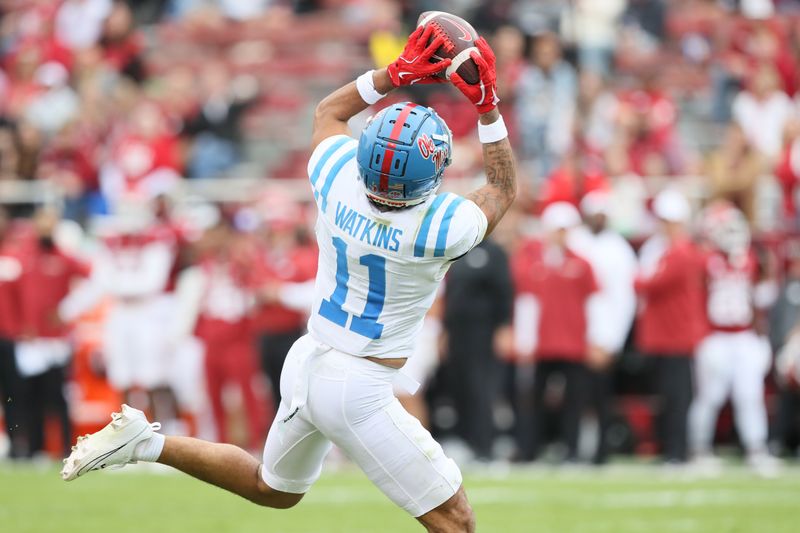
(367, 323)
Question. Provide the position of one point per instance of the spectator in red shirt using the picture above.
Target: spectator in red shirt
(787, 169)
(225, 327)
(177, 234)
(44, 350)
(22, 87)
(561, 282)
(671, 318)
(648, 117)
(144, 160)
(573, 179)
(10, 271)
(10, 381)
(68, 161)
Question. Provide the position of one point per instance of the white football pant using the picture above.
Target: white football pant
(730, 365)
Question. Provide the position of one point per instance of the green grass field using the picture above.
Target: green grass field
(619, 499)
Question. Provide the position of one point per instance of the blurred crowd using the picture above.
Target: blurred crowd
(648, 273)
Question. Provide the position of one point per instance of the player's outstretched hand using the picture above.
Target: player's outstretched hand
(483, 94)
(414, 65)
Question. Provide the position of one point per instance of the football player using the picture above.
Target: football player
(733, 358)
(386, 239)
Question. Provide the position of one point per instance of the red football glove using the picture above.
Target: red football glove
(414, 64)
(483, 94)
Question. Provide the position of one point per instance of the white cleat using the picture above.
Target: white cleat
(112, 446)
(707, 465)
(764, 465)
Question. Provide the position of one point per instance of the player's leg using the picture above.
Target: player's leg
(599, 392)
(215, 382)
(155, 363)
(542, 372)
(292, 456)
(36, 406)
(13, 408)
(130, 438)
(119, 358)
(713, 376)
(295, 448)
(55, 378)
(749, 367)
(470, 346)
(164, 403)
(245, 372)
(225, 466)
(455, 515)
(675, 389)
(575, 388)
(481, 379)
(353, 405)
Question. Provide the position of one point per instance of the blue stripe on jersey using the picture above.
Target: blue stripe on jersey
(335, 169)
(422, 236)
(444, 227)
(324, 159)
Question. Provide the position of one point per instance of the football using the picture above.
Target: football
(460, 39)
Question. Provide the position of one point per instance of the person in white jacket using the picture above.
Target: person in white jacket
(611, 310)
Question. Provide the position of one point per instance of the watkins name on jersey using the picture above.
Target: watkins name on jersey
(367, 230)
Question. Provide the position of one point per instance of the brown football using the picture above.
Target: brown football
(460, 39)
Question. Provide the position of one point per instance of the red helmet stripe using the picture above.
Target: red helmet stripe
(401, 119)
(388, 156)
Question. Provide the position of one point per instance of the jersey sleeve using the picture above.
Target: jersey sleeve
(326, 163)
(451, 227)
(469, 229)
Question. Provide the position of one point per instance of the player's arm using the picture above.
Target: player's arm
(333, 112)
(496, 196)
(668, 276)
(413, 66)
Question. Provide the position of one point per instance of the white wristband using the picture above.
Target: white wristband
(366, 88)
(491, 133)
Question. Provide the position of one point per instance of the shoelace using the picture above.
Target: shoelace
(116, 421)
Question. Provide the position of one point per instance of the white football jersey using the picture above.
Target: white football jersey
(379, 271)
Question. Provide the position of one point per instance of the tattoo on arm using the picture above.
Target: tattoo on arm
(496, 196)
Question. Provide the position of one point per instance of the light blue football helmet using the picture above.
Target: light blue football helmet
(402, 154)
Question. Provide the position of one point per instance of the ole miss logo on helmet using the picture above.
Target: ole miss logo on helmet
(429, 150)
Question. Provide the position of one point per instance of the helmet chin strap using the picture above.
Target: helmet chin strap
(398, 204)
(395, 203)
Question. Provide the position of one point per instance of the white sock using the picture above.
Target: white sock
(149, 450)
